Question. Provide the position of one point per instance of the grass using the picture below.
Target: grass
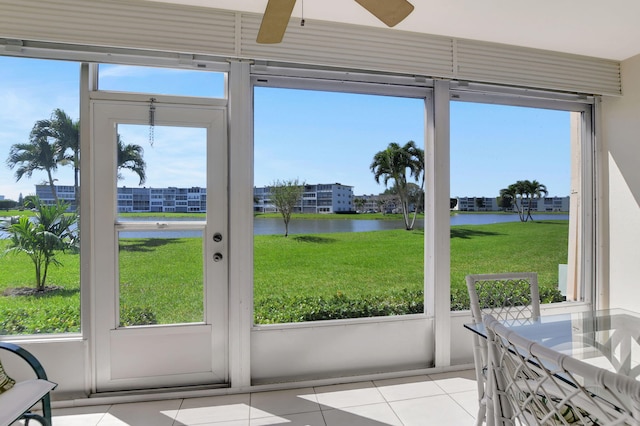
(162, 277)
(9, 213)
(509, 247)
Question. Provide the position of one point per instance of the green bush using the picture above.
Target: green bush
(294, 308)
(137, 315)
(460, 297)
(65, 319)
(268, 310)
(282, 309)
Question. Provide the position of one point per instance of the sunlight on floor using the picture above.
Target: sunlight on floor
(437, 399)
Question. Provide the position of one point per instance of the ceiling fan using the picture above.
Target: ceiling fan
(277, 14)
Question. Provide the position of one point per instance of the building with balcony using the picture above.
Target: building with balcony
(140, 200)
(490, 204)
(318, 198)
(65, 193)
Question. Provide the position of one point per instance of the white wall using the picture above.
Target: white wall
(621, 152)
(64, 361)
(341, 348)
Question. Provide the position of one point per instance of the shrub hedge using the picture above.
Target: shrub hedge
(283, 309)
(267, 310)
(64, 319)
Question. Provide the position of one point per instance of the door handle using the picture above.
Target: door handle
(217, 257)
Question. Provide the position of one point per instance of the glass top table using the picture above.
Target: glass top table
(609, 339)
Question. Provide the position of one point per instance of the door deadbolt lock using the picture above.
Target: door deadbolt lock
(217, 257)
(217, 237)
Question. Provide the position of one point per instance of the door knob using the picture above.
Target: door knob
(217, 257)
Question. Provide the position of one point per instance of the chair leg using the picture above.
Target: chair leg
(29, 416)
(482, 414)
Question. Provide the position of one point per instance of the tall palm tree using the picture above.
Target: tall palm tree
(521, 190)
(417, 171)
(509, 194)
(130, 158)
(38, 154)
(397, 163)
(535, 190)
(65, 133)
(56, 141)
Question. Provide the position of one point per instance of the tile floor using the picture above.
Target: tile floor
(437, 399)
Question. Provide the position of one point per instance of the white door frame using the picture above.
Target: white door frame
(167, 355)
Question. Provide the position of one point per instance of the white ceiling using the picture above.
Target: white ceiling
(600, 28)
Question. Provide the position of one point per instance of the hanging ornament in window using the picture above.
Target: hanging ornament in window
(152, 119)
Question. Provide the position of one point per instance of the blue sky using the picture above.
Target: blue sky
(317, 137)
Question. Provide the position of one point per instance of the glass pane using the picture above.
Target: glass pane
(38, 96)
(163, 177)
(163, 81)
(161, 180)
(347, 253)
(511, 180)
(161, 277)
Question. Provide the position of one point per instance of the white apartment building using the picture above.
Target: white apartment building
(318, 198)
(140, 200)
(490, 204)
(65, 193)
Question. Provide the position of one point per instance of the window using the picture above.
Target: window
(520, 160)
(345, 264)
(38, 96)
(165, 81)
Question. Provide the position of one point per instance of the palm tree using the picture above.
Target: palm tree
(535, 190)
(130, 158)
(521, 190)
(50, 231)
(56, 141)
(37, 154)
(397, 163)
(66, 135)
(417, 168)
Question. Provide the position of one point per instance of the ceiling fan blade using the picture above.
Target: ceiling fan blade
(275, 21)
(391, 12)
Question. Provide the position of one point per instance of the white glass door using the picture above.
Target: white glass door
(160, 209)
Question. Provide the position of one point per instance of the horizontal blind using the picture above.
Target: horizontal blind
(115, 23)
(163, 27)
(495, 63)
(352, 46)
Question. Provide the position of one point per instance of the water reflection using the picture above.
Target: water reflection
(270, 226)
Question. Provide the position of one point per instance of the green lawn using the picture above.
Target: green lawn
(313, 276)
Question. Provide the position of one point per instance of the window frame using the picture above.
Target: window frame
(584, 108)
(355, 83)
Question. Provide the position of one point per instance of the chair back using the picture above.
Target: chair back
(504, 296)
(534, 385)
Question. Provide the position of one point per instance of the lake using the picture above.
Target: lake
(270, 226)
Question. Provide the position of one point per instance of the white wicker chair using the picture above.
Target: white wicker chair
(505, 296)
(532, 384)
